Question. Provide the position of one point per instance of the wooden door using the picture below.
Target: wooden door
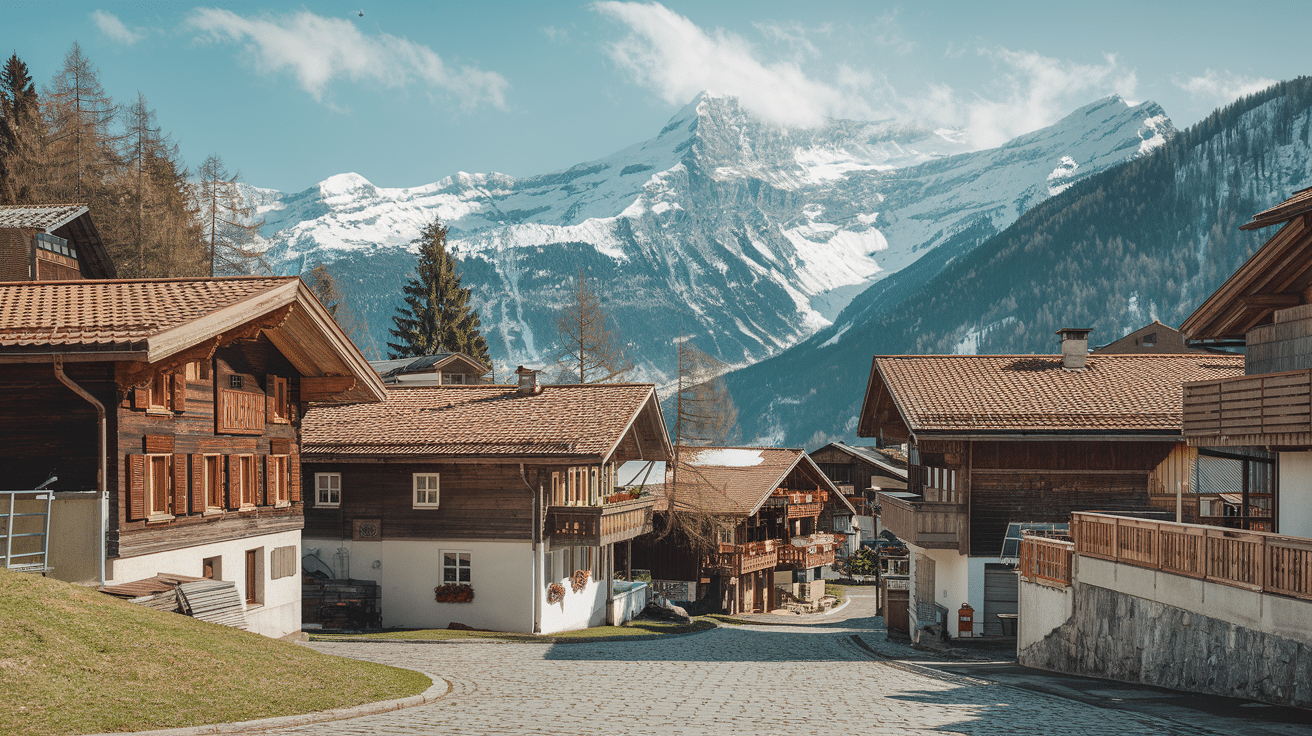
(896, 610)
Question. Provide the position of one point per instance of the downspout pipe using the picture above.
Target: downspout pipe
(535, 536)
(103, 479)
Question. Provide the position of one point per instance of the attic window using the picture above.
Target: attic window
(55, 244)
(234, 381)
(1150, 339)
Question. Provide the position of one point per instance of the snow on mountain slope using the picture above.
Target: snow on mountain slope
(745, 236)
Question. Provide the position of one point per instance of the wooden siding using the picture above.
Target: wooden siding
(1001, 499)
(1261, 405)
(475, 501)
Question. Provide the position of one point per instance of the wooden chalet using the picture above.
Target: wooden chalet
(860, 473)
(165, 415)
(503, 493)
(440, 369)
(51, 242)
(1154, 337)
(996, 440)
(773, 514)
(1265, 306)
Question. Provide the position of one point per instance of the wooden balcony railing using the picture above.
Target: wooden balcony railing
(1046, 561)
(922, 523)
(819, 550)
(239, 412)
(1269, 404)
(739, 559)
(599, 525)
(1258, 561)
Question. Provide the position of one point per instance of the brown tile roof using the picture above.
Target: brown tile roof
(737, 480)
(1130, 393)
(565, 421)
(118, 313)
(45, 217)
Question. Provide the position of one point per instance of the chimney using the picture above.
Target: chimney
(1074, 347)
(528, 381)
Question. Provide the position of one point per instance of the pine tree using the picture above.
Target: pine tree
(436, 316)
(79, 114)
(22, 133)
(225, 218)
(590, 351)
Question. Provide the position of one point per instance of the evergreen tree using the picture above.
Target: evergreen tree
(225, 220)
(436, 316)
(22, 133)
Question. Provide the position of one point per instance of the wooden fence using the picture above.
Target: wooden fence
(1046, 561)
(1258, 561)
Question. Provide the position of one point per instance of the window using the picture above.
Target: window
(241, 480)
(557, 490)
(198, 370)
(327, 490)
(161, 385)
(276, 485)
(212, 568)
(234, 382)
(254, 576)
(213, 480)
(159, 485)
(278, 398)
(456, 567)
(426, 490)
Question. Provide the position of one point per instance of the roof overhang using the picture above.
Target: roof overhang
(1273, 278)
(881, 414)
(651, 409)
(1056, 435)
(873, 460)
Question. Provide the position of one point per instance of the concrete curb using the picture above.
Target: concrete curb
(543, 640)
(439, 689)
(832, 611)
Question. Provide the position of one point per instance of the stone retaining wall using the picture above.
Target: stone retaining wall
(1119, 636)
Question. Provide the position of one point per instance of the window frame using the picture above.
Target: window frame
(213, 480)
(457, 568)
(436, 490)
(319, 503)
(277, 492)
(151, 479)
(246, 474)
(280, 394)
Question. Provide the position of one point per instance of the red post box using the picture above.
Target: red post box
(966, 620)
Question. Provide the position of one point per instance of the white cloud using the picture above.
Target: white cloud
(669, 54)
(318, 50)
(792, 34)
(1030, 92)
(1222, 87)
(110, 25)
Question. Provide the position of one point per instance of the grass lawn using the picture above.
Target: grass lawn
(76, 661)
(632, 628)
(839, 591)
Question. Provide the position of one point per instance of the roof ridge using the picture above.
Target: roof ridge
(174, 279)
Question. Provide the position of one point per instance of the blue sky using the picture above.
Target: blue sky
(291, 94)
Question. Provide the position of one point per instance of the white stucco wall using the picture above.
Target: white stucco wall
(1294, 514)
(278, 613)
(580, 610)
(1043, 609)
(957, 579)
(501, 574)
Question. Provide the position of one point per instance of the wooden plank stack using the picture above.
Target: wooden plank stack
(215, 601)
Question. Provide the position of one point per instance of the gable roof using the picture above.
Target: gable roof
(1152, 338)
(488, 421)
(1032, 394)
(151, 320)
(1275, 277)
(870, 455)
(69, 221)
(392, 370)
(738, 480)
(1298, 204)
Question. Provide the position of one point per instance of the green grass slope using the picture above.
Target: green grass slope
(76, 661)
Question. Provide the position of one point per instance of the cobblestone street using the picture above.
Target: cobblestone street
(832, 676)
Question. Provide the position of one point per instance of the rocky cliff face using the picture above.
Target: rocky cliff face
(744, 236)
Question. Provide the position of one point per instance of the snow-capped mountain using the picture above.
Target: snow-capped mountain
(745, 236)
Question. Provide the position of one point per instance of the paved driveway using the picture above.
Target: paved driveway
(831, 677)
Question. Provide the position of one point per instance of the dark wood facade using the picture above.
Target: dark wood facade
(47, 430)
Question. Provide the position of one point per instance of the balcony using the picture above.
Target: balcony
(808, 552)
(740, 559)
(593, 526)
(926, 524)
(1273, 409)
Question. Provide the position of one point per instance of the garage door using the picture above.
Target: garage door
(999, 596)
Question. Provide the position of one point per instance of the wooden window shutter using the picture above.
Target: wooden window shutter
(179, 485)
(136, 482)
(270, 397)
(198, 500)
(270, 496)
(261, 497)
(179, 391)
(234, 481)
(141, 397)
(294, 476)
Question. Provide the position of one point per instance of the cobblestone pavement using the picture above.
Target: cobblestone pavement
(821, 677)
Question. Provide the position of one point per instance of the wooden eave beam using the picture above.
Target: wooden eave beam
(1280, 262)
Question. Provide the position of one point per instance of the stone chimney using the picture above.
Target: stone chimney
(1074, 347)
(528, 381)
